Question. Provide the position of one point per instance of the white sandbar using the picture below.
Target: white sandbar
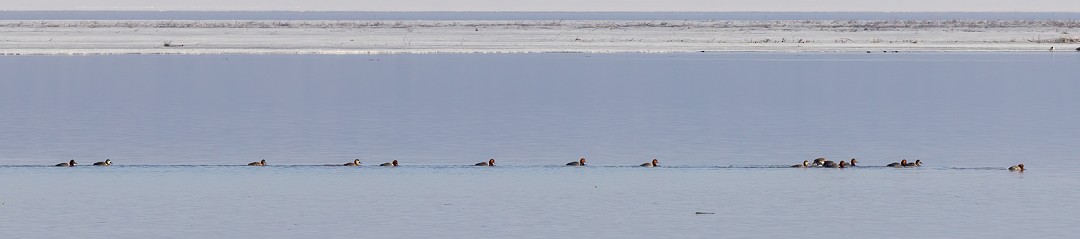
(391, 37)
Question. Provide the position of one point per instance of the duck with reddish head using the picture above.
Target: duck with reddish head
(489, 163)
(580, 162)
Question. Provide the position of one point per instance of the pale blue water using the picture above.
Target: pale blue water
(717, 121)
(954, 109)
(535, 202)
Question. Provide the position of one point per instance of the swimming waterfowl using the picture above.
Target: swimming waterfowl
(107, 162)
(853, 162)
(390, 164)
(260, 163)
(917, 163)
(580, 162)
(654, 163)
(818, 162)
(68, 164)
(489, 163)
(355, 162)
(900, 164)
(831, 164)
(843, 164)
(805, 164)
(1018, 167)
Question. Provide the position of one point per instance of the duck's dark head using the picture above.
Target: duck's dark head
(843, 164)
(1021, 166)
(903, 162)
(853, 162)
(262, 161)
(582, 161)
(491, 162)
(71, 163)
(356, 161)
(394, 163)
(918, 162)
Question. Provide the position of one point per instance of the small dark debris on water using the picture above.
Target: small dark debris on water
(703, 213)
(169, 44)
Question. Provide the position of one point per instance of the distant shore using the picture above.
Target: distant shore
(86, 37)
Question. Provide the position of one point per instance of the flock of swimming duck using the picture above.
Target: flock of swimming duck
(818, 163)
(824, 163)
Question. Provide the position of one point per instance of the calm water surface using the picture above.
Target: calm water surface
(535, 202)
(718, 119)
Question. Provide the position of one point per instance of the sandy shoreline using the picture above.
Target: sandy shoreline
(396, 37)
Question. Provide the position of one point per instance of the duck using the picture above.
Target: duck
(580, 162)
(853, 162)
(489, 163)
(1017, 168)
(355, 162)
(654, 163)
(818, 162)
(900, 164)
(805, 164)
(259, 163)
(68, 164)
(917, 163)
(831, 164)
(390, 164)
(107, 162)
(843, 164)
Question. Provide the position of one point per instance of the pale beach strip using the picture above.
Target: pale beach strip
(83, 37)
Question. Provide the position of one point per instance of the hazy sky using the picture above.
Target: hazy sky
(551, 5)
